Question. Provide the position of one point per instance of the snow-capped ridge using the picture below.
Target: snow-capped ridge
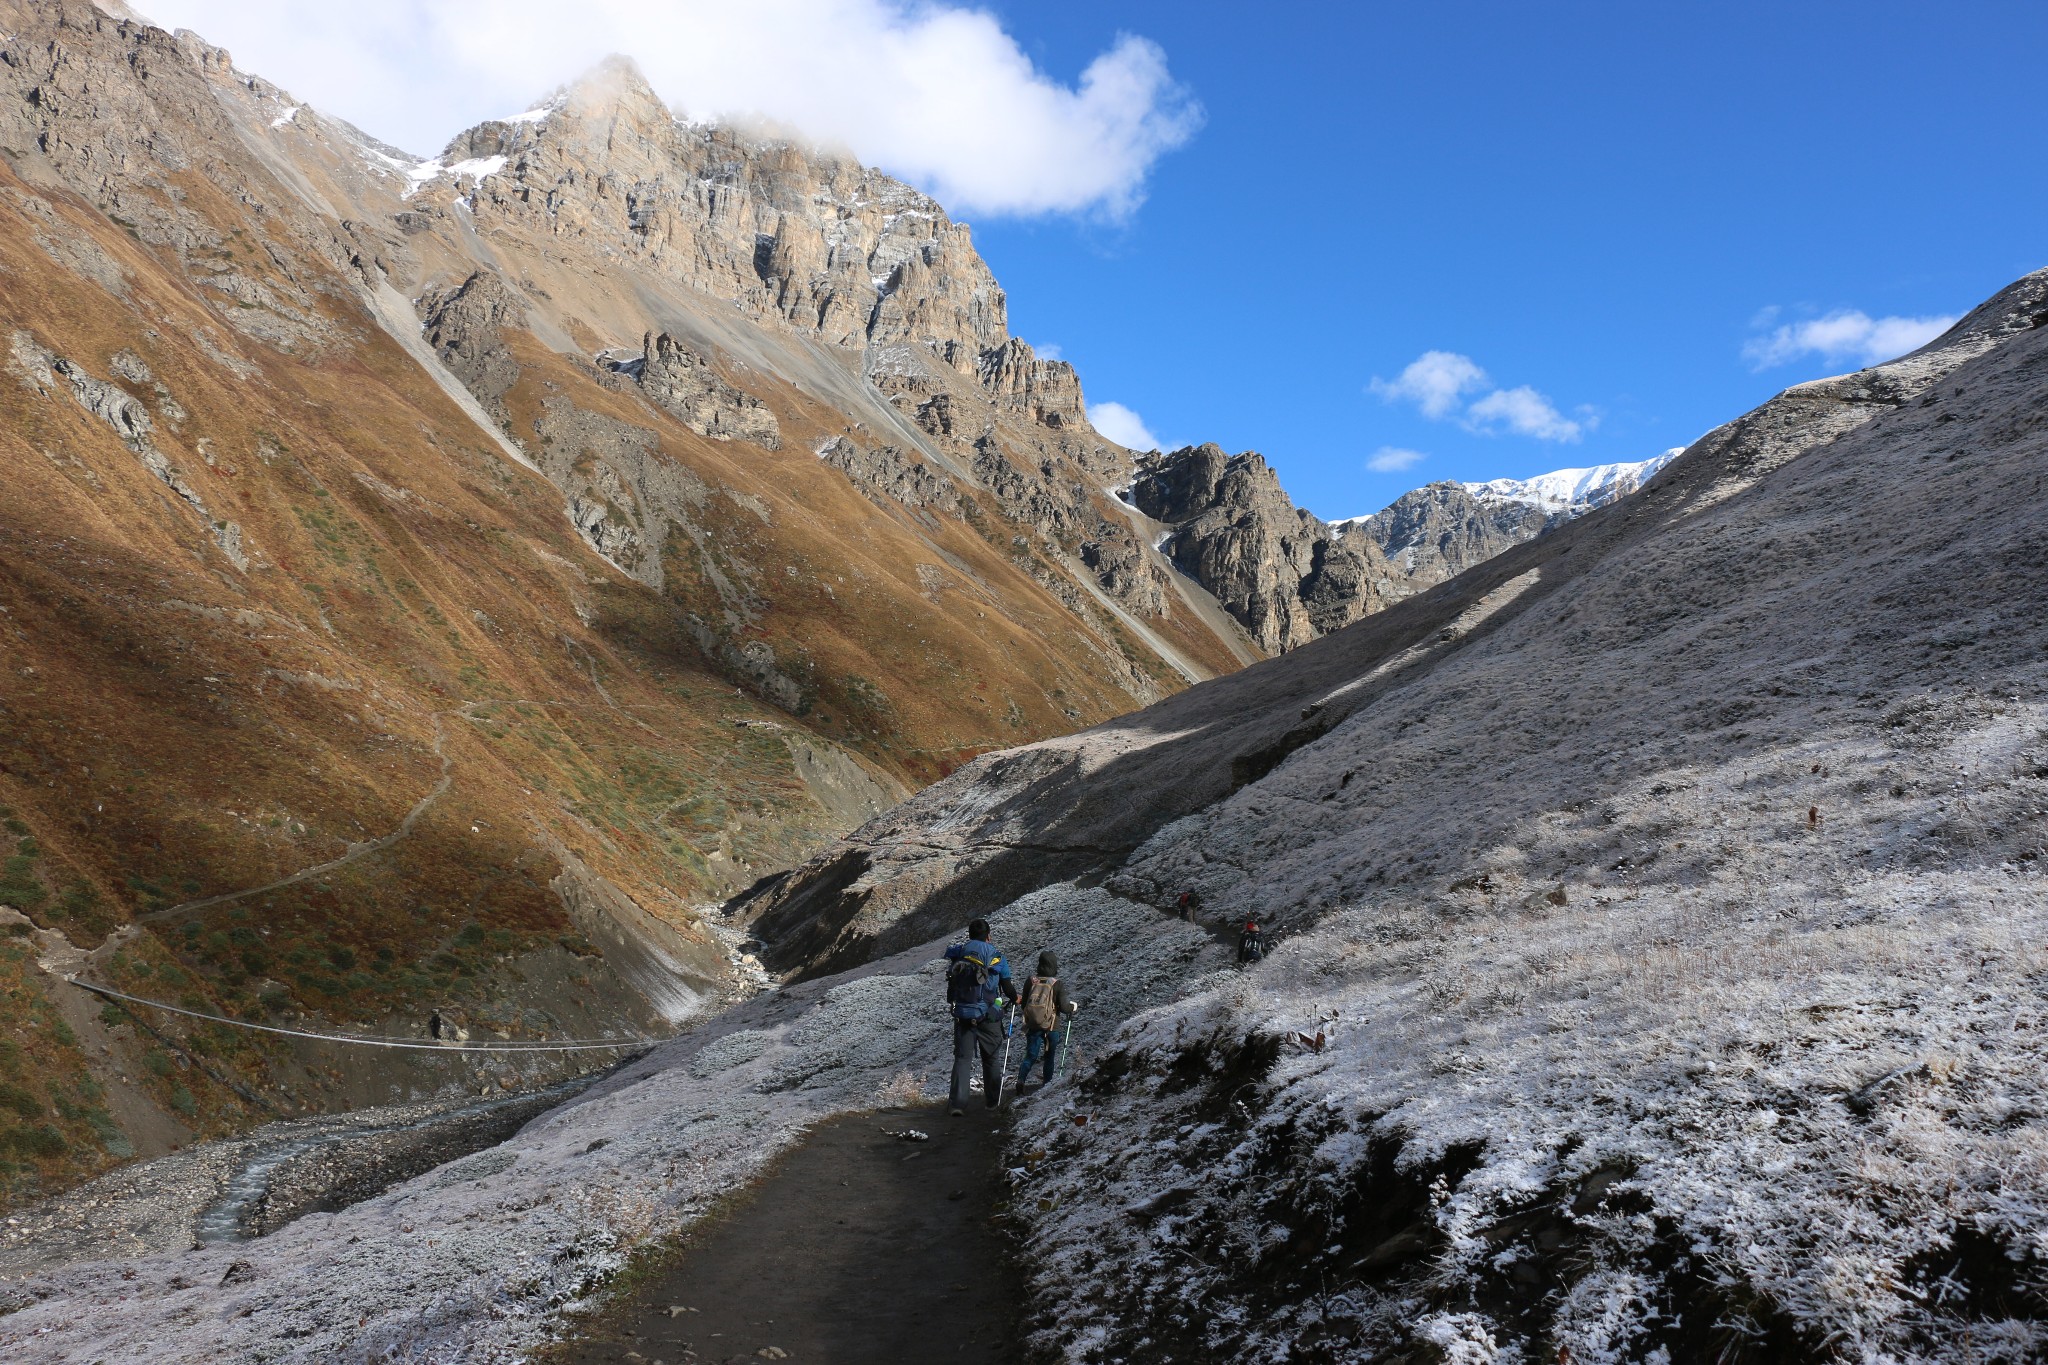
(1574, 490)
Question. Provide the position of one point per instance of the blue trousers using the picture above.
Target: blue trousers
(1034, 1040)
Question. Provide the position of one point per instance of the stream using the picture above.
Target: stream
(242, 1187)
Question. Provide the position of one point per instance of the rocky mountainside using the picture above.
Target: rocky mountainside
(428, 585)
(1289, 578)
(1655, 912)
(1442, 529)
(1226, 523)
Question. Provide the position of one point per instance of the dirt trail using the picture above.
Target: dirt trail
(858, 1248)
(355, 852)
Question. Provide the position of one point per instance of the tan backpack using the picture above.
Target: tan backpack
(1041, 1003)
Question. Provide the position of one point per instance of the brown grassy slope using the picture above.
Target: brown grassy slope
(921, 639)
(173, 728)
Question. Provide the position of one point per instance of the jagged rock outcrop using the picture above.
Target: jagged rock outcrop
(681, 382)
(1440, 530)
(887, 474)
(1047, 391)
(1288, 576)
(777, 228)
(466, 327)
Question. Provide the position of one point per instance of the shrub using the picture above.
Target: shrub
(43, 1141)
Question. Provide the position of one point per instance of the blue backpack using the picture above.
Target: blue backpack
(970, 986)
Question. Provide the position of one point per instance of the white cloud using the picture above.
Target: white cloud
(1848, 335)
(1390, 459)
(1524, 412)
(937, 94)
(1434, 382)
(1048, 350)
(1121, 425)
(1438, 381)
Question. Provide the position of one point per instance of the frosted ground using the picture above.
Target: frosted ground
(1668, 974)
(474, 1261)
(1810, 1090)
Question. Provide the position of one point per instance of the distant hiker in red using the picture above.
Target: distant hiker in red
(979, 988)
(1251, 944)
(1045, 1000)
(1186, 906)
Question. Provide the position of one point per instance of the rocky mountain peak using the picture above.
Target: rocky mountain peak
(776, 226)
(1282, 572)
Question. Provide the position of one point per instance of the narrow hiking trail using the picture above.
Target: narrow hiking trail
(857, 1248)
(356, 851)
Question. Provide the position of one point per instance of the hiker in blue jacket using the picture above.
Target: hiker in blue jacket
(979, 988)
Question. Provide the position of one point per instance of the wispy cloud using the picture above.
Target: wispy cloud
(1434, 382)
(1392, 459)
(1846, 336)
(1122, 425)
(936, 92)
(1437, 383)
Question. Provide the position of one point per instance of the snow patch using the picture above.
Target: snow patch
(1574, 490)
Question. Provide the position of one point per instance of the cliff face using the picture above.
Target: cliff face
(1441, 529)
(1287, 576)
(430, 584)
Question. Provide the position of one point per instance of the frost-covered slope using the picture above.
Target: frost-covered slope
(1661, 972)
(1658, 909)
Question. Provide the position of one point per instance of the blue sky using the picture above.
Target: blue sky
(1596, 201)
(1451, 240)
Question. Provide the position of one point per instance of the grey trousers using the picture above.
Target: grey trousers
(983, 1036)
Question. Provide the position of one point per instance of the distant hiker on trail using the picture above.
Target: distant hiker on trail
(979, 988)
(1251, 944)
(1043, 1001)
(1186, 906)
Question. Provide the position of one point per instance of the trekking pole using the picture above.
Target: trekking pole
(1003, 1081)
(1066, 1048)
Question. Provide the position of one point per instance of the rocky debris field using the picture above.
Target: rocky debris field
(246, 1186)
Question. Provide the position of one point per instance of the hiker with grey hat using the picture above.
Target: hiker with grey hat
(1044, 1001)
